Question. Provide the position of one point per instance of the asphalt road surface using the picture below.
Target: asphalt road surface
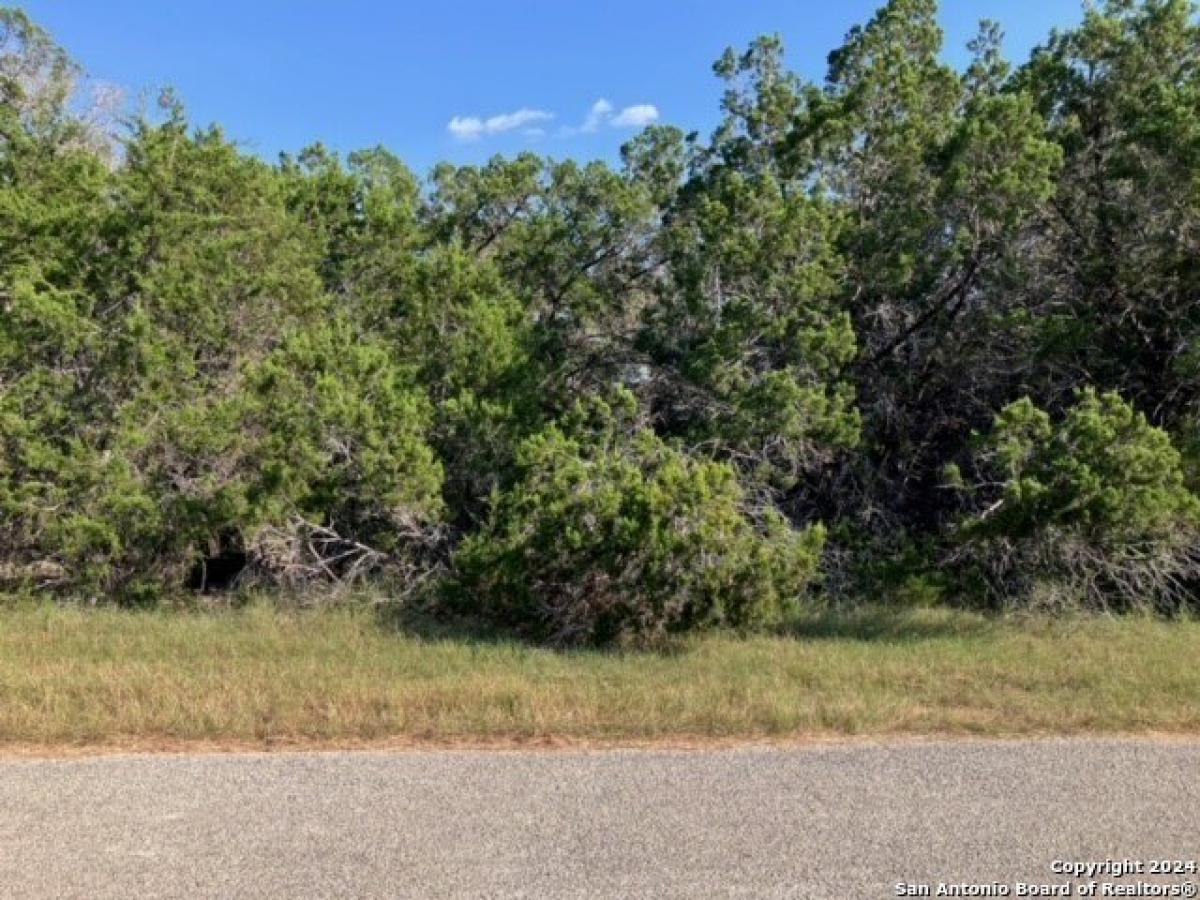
(840, 822)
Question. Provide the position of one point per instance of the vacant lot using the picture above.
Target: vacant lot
(266, 676)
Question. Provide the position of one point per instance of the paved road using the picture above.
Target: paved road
(830, 821)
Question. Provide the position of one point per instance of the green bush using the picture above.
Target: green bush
(614, 536)
(339, 476)
(1092, 508)
(213, 367)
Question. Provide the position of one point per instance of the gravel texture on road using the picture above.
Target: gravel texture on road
(826, 821)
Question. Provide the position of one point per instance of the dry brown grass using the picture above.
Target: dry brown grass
(260, 676)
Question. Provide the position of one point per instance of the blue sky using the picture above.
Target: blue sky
(464, 79)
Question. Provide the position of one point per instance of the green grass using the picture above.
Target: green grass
(105, 677)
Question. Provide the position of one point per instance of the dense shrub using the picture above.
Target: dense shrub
(609, 535)
(339, 477)
(214, 368)
(1093, 506)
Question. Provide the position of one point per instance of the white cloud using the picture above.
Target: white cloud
(528, 121)
(636, 116)
(472, 128)
(604, 113)
(465, 128)
(600, 112)
(509, 121)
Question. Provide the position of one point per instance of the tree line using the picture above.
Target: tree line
(912, 333)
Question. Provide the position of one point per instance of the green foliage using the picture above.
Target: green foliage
(37, 78)
(1113, 287)
(338, 435)
(609, 535)
(1097, 499)
(751, 343)
(1104, 470)
(747, 327)
(469, 335)
(213, 368)
(938, 175)
(172, 388)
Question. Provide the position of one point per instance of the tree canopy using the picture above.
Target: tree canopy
(908, 321)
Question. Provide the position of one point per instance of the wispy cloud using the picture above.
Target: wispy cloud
(472, 128)
(637, 116)
(604, 114)
(600, 112)
(529, 122)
